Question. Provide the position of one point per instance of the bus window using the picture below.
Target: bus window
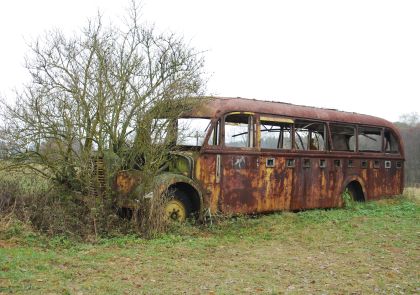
(239, 130)
(390, 142)
(214, 138)
(276, 134)
(192, 131)
(310, 136)
(370, 139)
(343, 137)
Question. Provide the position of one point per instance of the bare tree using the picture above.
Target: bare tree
(95, 95)
(98, 92)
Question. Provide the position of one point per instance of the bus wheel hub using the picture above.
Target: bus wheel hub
(175, 210)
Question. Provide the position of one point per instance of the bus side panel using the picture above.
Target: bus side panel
(318, 195)
(240, 191)
(205, 173)
(315, 186)
(276, 184)
(337, 175)
(375, 181)
(394, 180)
(383, 181)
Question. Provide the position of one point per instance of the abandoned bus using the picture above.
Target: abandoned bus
(244, 156)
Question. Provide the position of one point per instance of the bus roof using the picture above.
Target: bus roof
(215, 106)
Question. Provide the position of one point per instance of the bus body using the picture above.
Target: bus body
(259, 156)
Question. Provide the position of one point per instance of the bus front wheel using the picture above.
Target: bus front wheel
(178, 207)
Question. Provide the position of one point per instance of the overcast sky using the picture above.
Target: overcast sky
(361, 56)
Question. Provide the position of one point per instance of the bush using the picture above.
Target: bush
(37, 203)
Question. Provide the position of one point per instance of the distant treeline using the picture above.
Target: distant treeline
(411, 137)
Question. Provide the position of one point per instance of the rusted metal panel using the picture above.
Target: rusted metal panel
(239, 185)
(248, 186)
(251, 180)
(205, 172)
(126, 181)
(252, 189)
(216, 105)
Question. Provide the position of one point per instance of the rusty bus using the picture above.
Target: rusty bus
(245, 156)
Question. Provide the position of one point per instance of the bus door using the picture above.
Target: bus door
(312, 179)
(208, 167)
(276, 169)
(239, 164)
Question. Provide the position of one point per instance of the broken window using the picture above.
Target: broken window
(239, 130)
(276, 133)
(310, 136)
(370, 139)
(192, 131)
(343, 137)
(184, 131)
(390, 142)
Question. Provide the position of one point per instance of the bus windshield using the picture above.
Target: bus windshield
(189, 131)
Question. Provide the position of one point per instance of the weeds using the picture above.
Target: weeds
(26, 199)
(348, 200)
(29, 205)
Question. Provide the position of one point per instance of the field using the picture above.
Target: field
(364, 249)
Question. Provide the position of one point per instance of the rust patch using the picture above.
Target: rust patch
(126, 181)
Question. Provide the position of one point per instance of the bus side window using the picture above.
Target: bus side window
(343, 137)
(390, 142)
(370, 139)
(239, 130)
(276, 134)
(310, 136)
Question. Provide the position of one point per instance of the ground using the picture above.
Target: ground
(363, 249)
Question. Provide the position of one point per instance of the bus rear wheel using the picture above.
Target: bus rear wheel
(178, 207)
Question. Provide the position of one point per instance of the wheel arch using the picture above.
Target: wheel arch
(193, 190)
(355, 180)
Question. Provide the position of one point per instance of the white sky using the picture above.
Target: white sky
(361, 56)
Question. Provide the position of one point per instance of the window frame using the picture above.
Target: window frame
(397, 142)
(216, 124)
(355, 134)
(255, 129)
(252, 130)
(274, 119)
(382, 139)
(308, 149)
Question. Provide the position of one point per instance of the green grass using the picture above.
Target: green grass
(363, 249)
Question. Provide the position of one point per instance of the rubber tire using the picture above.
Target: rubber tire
(183, 198)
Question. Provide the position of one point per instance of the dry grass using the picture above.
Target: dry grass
(413, 192)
